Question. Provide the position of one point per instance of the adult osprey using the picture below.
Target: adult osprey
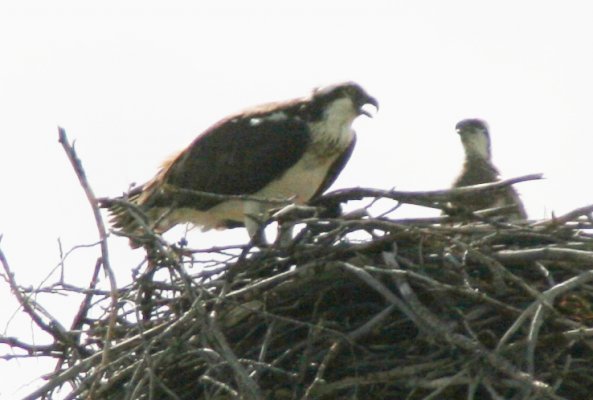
(291, 150)
(478, 168)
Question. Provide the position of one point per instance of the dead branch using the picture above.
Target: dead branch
(78, 169)
(423, 198)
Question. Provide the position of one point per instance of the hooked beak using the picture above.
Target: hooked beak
(369, 100)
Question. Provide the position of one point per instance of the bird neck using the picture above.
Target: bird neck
(335, 127)
(477, 147)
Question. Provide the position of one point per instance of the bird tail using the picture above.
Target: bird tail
(125, 214)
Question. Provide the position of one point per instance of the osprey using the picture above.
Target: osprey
(291, 150)
(478, 168)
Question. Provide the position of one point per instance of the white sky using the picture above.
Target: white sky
(134, 81)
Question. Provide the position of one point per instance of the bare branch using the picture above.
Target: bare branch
(424, 198)
(78, 169)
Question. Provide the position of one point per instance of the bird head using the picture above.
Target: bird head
(474, 137)
(346, 94)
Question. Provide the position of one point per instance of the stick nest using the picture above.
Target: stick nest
(354, 307)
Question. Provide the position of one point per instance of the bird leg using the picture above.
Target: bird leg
(285, 218)
(256, 215)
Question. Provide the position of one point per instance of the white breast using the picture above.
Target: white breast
(477, 144)
(336, 126)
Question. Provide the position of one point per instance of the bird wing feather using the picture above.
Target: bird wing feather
(235, 157)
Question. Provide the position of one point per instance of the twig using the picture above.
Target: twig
(544, 253)
(86, 364)
(37, 350)
(78, 169)
(59, 335)
(532, 337)
(424, 197)
(371, 324)
(105, 202)
(250, 390)
(384, 291)
(83, 309)
(546, 297)
(568, 217)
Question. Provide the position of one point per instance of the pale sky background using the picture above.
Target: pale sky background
(134, 81)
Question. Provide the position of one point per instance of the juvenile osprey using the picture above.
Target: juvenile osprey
(478, 168)
(291, 150)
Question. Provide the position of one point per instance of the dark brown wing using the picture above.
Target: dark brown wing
(236, 156)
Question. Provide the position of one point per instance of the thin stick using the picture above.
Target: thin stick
(77, 165)
(424, 197)
(53, 328)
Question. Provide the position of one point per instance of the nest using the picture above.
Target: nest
(352, 307)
